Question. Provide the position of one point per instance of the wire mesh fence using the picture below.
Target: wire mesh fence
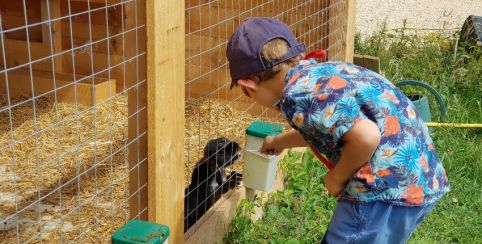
(212, 110)
(71, 113)
(73, 120)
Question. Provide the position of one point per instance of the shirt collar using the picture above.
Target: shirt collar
(301, 64)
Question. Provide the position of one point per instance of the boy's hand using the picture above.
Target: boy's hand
(274, 145)
(359, 144)
(333, 185)
(271, 146)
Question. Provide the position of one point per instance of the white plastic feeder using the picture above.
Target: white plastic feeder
(259, 171)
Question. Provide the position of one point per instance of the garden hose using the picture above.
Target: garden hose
(453, 125)
(441, 105)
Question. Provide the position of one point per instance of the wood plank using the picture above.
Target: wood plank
(99, 1)
(165, 73)
(369, 62)
(217, 21)
(349, 27)
(81, 12)
(204, 80)
(135, 72)
(136, 178)
(17, 53)
(20, 83)
(336, 31)
(53, 35)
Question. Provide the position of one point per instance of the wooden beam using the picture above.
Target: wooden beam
(165, 82)
(99, 1)
(52, 36)
(349, 27)
(88, 94)
(137, 176)
(369, 62)
(133, 77)
(16, 52)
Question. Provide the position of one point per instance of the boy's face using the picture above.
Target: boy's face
(267, 92)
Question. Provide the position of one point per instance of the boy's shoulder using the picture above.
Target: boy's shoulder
(328, 69)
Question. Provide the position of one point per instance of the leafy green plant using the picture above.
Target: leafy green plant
(298, 214)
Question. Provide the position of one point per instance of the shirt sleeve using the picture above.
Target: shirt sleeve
(324, 115)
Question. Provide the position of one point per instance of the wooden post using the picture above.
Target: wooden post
(55, 33)
(165, 108)
(349, 29)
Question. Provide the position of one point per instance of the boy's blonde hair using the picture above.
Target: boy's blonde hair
(271, 51)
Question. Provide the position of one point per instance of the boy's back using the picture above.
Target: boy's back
(324, 101)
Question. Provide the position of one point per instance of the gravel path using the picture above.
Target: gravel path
(425, 14)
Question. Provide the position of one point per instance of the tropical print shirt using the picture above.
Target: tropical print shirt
(324, 101)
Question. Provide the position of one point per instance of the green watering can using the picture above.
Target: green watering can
(421, 102)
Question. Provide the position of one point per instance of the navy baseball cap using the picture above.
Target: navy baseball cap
(244, 46)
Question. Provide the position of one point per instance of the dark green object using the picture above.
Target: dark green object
(421, 101)
(262, 129)
(472, 30)
(138, 231)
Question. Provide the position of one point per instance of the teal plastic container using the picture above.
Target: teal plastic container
(257, 131)
(421, 102)
(139, 231)
(422, 106)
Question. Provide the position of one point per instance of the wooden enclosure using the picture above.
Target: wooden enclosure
(131, 72)
(83, 63)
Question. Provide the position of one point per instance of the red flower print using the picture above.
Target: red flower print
(294, 77)
(384, 172)
(424, 162)
(366, 173)
(323, 97)
(414, 195)
(392, 126)
(336, 83)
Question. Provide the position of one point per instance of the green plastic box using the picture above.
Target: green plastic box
(262, 129)
(257, 131)
(139, 231)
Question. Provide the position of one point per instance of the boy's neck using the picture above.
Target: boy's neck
(279, 80)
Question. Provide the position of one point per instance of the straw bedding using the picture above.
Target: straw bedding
(73, 138)
(90, 207)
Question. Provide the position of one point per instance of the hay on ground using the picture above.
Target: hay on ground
(96, 203)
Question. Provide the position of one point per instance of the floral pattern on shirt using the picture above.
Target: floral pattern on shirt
(324, 101)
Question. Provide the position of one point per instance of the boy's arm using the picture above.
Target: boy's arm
(359, 144)
(274, 145)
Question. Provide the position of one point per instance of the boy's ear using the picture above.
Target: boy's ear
(248, 86)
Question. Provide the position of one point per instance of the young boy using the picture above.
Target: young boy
(385, 171)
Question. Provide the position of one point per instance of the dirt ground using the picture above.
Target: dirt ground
(421, 14)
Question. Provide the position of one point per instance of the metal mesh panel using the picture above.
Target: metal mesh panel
(212, 110)
(72, 119)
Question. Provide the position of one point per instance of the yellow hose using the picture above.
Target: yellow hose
(453, 125)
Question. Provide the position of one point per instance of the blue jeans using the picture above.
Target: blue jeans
(375, 222)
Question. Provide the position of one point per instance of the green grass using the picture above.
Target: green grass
(301, 212)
